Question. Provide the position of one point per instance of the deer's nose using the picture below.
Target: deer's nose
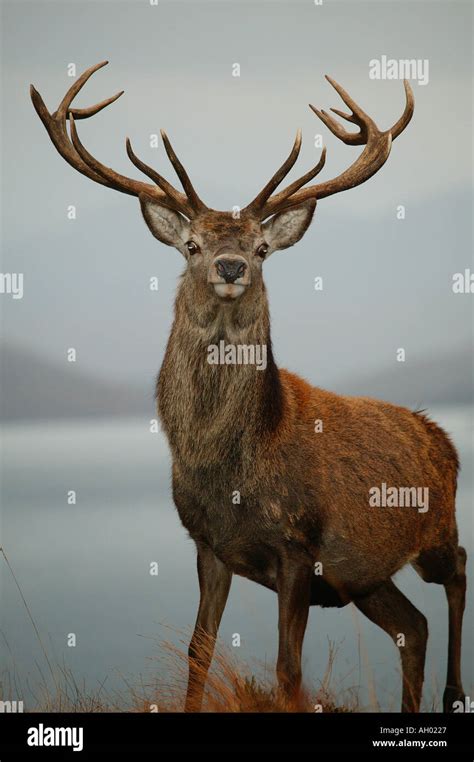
(230, 269)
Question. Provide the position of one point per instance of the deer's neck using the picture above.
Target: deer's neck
(216, 405)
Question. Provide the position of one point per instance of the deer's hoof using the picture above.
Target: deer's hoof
(454, 699)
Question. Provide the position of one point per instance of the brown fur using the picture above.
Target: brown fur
(304, 495)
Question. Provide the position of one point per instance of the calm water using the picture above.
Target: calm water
(85, 569)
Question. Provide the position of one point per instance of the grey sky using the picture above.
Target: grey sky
(387, 283)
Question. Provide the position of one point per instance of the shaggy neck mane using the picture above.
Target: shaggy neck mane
(213, 412)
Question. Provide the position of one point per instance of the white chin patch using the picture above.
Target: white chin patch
(228, 290)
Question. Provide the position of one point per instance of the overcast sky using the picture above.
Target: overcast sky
(387, 282)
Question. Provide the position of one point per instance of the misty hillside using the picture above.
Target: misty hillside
(443, 379)
(34, 388)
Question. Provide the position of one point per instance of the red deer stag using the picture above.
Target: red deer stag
(260, 492)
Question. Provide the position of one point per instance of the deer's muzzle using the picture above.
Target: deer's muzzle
(230, 275)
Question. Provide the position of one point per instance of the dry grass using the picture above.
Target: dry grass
(235, 687)
(230, 687)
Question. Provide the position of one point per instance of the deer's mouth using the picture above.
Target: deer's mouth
(228, 291)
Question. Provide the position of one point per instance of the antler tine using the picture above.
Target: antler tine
(188, 187)
(348, 100)
(76, 87)
(259, 201)
(85, 113)
(179, 199)
(114, 179)
(347, 117)
(350, 138)
(277, 200)
(405, 118)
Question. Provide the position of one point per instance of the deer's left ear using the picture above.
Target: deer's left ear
(286, 228)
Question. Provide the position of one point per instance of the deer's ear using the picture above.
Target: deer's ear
(286, 228)
(168, 226)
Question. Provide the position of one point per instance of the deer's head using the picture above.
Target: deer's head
(224, 251)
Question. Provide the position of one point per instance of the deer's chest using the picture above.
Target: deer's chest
(242, 542)
(218, 510)
(247, 530)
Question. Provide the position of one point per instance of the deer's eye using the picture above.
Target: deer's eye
(192, 247)
(262, 250)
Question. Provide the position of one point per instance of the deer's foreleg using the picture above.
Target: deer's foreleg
(214, 584)
(294, 589)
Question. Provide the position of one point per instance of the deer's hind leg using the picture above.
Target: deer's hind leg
(447, 566)
(393, 612)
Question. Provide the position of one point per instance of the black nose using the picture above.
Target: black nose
(230, 269)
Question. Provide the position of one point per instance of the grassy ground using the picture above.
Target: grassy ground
(229, 688)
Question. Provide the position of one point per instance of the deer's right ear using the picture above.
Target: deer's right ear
(168, 226)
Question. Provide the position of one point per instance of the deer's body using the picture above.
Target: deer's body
(263, 490)
(231, 428)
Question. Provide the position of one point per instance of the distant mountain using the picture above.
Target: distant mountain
(34, 388)
(444, 378)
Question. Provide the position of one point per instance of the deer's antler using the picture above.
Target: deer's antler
(375, 154)
(72, 150)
